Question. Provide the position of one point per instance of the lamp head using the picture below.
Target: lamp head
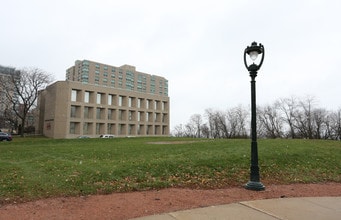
(254, 51)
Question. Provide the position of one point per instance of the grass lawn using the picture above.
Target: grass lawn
(33, 168)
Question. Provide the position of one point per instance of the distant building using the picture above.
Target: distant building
(101, 99)
(7, 75)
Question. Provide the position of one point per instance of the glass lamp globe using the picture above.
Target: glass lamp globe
(253, 55)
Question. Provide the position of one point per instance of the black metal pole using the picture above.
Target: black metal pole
(254, 183)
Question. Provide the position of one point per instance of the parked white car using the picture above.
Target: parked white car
(106, 136)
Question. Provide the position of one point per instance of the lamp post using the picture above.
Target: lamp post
(253, 51)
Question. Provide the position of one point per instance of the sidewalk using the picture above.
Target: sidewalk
(319, 208)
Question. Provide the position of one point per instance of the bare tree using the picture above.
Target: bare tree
(304, 117)
(190, 130)
(335, 124)
(270, 121)
(237, 118)
(319, 123)
(178, 131)
(213, 123)
(21, 90)
(196, 122)
(205, 131)
(288, 107)
(223, 125)
(209, 115)
(328, 130)
(288, 117)
(227, 124)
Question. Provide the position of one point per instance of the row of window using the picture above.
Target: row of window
(117, 100)
(116, 129)
(123, 77)
(130, 85)
(83, 76)
(113, 114)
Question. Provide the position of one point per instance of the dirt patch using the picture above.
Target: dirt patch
(137, 204)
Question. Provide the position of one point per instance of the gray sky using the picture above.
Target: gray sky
(196, 44)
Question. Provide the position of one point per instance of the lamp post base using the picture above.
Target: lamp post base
(257, 186)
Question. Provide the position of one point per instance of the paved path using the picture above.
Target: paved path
(319, 208)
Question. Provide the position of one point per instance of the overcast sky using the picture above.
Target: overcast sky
(197, 45)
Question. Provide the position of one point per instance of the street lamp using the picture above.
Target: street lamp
(254, 51)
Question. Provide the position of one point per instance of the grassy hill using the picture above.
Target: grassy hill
(33, 168)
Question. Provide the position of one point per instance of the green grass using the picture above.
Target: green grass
(33, 168)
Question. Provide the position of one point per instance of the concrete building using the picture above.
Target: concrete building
(8, 95)
(101, 99)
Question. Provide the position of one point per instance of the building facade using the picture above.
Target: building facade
(101, 99)
(8, 96)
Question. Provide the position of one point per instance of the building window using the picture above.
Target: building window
(130, 101)
(149, 129)
(138, 129)
(73, 111)
(152, 84)
(131, 115)
(110, 114)
(164, 118)
(147, 116)
(110, 128)
(87, 97)
(131, 129)
(88, 112)
(120, 101)
(86, 128)
(98, 99)
(109, 99)
(139, 103)
(85, 78)
(72, 128)
(138, 116)
(98, 128)
(73, 95)
(122, 115)
(157, 129)
(122, 129)
(98, 113)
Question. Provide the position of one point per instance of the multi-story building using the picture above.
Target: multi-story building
(100, 99)
(8, 96)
